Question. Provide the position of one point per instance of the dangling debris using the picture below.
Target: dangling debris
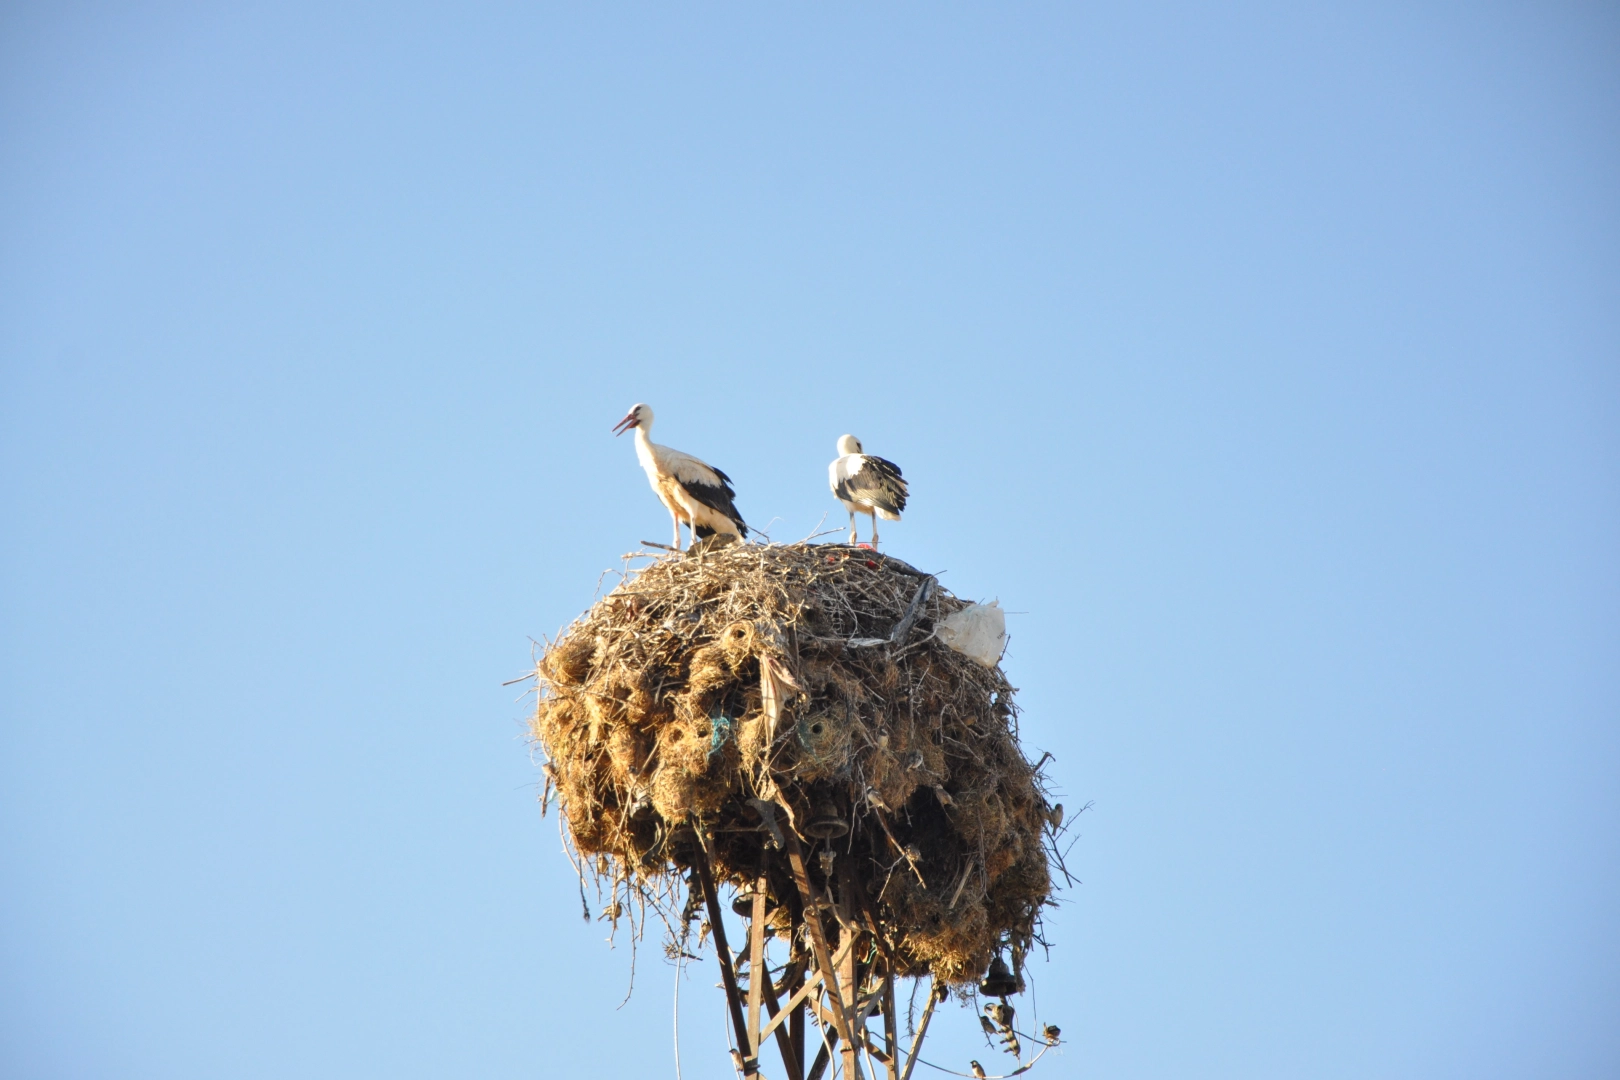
(979, 631)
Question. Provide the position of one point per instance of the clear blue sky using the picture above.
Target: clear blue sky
(1263, 358)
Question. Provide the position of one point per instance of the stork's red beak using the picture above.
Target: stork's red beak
(625, 425)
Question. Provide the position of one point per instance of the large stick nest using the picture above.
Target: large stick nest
(753, 672)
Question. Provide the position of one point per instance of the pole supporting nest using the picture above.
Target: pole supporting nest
(717, 926)
(761, 1012)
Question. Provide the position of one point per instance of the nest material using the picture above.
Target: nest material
(756, 672)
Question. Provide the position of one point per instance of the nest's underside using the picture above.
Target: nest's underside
(707, 681)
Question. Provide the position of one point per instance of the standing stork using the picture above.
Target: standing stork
(692, 491)
(866, 485)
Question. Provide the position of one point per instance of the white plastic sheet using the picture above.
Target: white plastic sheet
(978, 631)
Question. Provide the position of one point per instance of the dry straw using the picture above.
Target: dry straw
(744, 689)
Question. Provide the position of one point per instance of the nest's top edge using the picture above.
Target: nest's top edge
(730, 545)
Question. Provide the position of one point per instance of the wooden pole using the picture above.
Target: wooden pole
(792, 1059)
(700, 863)
(849, 984)
(891, 1039)
(818, 940)
(796, 1031)
(851, 905)
(796, 1021)
(758, 978)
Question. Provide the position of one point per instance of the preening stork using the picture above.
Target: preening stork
(692, 491)
(866, 485)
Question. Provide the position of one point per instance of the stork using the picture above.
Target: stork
(692, 491)
(866, 485)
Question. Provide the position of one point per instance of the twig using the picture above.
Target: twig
(814, 533)
(904, 854)
(967, 871)
(908, 620)
(900, 564)
(922, 1028)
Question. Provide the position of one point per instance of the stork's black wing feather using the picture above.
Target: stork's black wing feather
(877, 482)
(719, 497)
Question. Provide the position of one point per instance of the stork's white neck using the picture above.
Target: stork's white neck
(645, 452)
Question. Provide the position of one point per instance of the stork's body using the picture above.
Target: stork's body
(692, 491)
(866, 485)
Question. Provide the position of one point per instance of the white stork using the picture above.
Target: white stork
(692, 491)
(866, 485)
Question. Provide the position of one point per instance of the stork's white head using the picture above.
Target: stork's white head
(639, 416)
(848, 444)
